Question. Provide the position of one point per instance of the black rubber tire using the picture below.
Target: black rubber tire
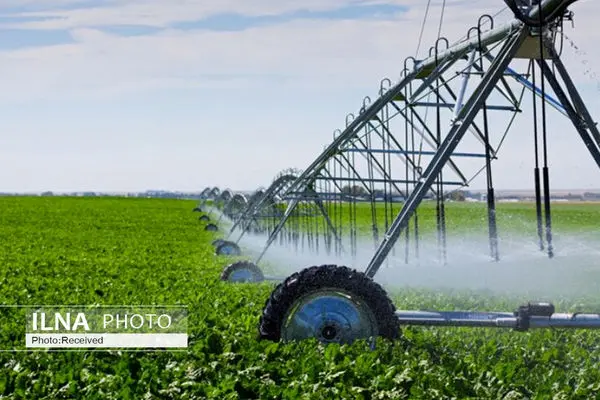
(225, 243)
(217, 242)
(327, 277)
(204, 218)
(197, 209)
(228, 270)
(211, 228)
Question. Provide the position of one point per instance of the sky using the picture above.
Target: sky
(129, 95)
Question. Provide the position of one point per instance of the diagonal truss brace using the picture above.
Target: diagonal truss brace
(577, 113)
(309, 194)
(465, 117)
(305, 179)
(488, 38)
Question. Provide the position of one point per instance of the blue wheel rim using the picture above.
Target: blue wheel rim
(242, 275)
(331, 316)
(228, 250)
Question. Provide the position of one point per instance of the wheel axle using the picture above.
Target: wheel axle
(532, 315)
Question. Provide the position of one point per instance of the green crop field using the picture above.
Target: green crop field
(146, 251)
(467, 218)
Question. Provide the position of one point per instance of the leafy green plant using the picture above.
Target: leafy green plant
(149, 251)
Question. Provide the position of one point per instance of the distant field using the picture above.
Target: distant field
(149, 251)
(471, 218)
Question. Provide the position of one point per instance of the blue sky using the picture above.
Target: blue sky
(16, 38)
(128, 95)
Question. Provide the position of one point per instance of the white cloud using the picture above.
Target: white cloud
(315, 56)
(5, 4)
(161, 13)
(305, 52)
(317, 51)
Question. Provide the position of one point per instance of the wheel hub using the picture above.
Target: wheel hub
(242, 275)
(227, 250)
(330, 331)
(329, 316)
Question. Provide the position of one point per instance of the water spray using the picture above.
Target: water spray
(332, 208)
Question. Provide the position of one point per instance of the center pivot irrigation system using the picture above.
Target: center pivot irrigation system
(405, 147)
